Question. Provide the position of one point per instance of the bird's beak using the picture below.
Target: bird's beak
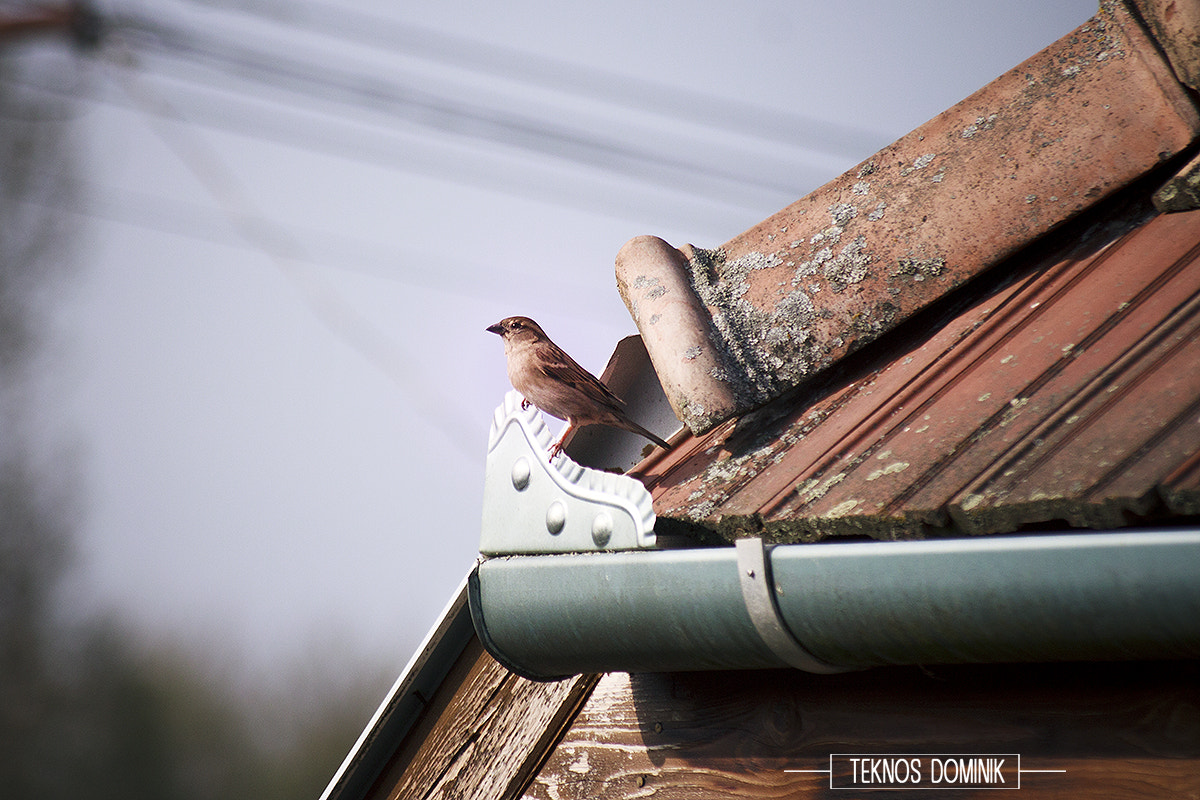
(496, 329)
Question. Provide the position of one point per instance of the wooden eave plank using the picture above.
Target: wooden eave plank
(484, 735)
(1121, 731)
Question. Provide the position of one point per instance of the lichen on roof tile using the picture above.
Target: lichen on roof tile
(842, 266)
(1066, 394)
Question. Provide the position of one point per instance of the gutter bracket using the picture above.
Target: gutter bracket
(534, 505)
(758, 592)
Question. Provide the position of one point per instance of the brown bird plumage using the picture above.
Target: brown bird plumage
(552, 381)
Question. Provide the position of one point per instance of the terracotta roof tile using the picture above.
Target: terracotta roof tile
(1069, 393)
(854, 259)
(1176, 27)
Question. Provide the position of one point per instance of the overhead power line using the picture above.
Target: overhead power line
(291, 258)
(725, 178)
(171, 216)
(712, 111)
(684, 204)
(446, 115)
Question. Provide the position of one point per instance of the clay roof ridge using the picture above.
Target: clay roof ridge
(730, 328)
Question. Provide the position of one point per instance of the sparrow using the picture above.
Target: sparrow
(552, 381)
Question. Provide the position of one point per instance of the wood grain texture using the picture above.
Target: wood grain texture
(484, 735)
(1119, 730)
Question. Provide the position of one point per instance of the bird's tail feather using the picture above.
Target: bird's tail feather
(633, 427)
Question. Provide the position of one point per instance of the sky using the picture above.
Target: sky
(295, 220)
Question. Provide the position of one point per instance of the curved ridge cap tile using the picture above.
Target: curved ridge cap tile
(730, 329)
(655, 282)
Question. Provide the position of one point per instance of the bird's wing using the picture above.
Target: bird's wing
(559, 366)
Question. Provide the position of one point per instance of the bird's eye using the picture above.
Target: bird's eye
(516, 324)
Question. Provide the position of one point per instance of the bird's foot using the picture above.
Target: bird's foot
(557, 447)
(524, 404)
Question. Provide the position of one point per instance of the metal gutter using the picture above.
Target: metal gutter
(1059, 597)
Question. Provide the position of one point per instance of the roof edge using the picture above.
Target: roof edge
(405, 701)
